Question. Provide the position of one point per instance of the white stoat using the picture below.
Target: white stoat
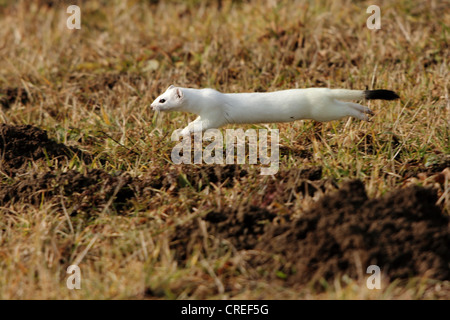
(216, 109)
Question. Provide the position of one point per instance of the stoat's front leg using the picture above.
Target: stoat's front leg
(192, 127)
(199, 125)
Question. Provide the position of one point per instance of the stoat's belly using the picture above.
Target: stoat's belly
(270, 107)
(275, 116)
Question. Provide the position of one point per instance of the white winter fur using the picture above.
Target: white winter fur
(216, 109)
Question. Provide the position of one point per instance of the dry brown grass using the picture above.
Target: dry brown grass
(91, 88)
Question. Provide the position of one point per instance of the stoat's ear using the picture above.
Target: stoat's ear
(170, 87)
(178, 93)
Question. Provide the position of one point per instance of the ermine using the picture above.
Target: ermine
(216, 109)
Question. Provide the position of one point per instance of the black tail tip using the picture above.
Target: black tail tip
(380, 94)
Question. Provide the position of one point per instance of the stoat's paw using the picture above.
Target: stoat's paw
(185, 132)
(367, 115)
(359, 111)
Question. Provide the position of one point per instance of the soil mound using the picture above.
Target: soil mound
(20, 144)
(84, 191)
(241, 228)
(199, 177)
(403, 232)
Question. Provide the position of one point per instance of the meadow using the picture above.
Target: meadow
(87, 176)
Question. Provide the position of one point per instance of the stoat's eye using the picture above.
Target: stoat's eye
(162, 100)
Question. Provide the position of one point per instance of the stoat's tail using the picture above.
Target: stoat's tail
(343, 94)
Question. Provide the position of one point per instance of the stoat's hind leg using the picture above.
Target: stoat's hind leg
(360, 108)
(335, 109)
(359, 111)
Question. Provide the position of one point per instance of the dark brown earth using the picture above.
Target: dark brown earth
(85, 191)
(9, 96)
(241, 227)
(95, 187)
(414, 168)
(200, 176)
(403, 232)
(21, 144)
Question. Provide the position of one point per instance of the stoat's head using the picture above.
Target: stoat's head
(171, 100)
